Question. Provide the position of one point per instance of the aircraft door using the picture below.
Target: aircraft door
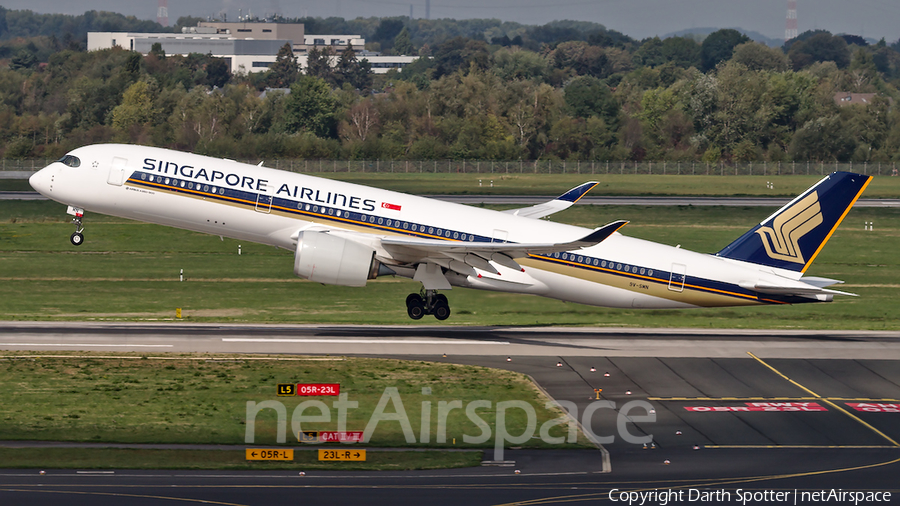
(499, 235)
(676, 277)
(264, 199)
(117, 171)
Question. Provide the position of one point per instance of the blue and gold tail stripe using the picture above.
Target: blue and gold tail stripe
(379, 223)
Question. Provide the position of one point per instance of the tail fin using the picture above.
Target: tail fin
(793, 236)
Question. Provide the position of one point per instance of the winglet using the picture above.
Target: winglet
(564, 201)
(599, 234)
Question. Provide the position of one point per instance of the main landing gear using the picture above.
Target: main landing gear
(418, 305)
(77, 238)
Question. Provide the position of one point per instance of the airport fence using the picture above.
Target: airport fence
(543, 167)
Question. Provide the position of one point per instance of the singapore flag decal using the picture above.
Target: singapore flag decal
(392, 207)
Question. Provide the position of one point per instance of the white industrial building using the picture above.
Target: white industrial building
(248, 47)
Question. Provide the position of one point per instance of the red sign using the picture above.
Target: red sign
(761, 406)
(318, 388)
(340, 437)
(873, 407)
(392, 207)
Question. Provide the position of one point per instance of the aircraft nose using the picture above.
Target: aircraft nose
(41, 181)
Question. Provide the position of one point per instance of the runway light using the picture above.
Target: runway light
(43, 472)
(627, 392)
(652, 411)
(593, 369)
(559, 364)
(696, 447)
(517, 471)
(677, 432)
(667, 462)
(508, 359)
(652, 446)
(645, 446)
(606, 374)
(302, 473)
(445, 355)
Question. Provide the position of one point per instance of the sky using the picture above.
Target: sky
(636, 18)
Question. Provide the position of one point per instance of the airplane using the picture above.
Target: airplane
(346, 234)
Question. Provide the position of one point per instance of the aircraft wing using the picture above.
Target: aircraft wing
(463, 251)
(556, 205)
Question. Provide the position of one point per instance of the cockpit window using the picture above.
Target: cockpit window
(71, 161)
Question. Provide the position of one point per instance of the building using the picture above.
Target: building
(259, 31)
(247, 47)
(242, 55)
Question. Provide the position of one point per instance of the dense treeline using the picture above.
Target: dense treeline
(566, 90)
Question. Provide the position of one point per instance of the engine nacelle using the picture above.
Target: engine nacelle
(325, 258)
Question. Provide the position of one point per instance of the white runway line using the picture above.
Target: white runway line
(356, 341)
(91, 344)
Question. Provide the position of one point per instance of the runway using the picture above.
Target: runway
(439, 340)
(765, 410)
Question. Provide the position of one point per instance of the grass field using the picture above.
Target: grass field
(114, 458)
(200, 399)
(130, 271)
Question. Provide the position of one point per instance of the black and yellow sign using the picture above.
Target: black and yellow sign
(269, 454)
(287, 389)
(308, 436)
(339, 455)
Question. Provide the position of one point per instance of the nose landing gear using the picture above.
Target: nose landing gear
(77, 238)
(418, 305)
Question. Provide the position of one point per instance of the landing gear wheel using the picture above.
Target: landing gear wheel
(415, 306)
(441, 311)
(77, 238)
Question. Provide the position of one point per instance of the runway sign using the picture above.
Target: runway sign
(287, 389)
(760, 406)
(318, 388)
(308, 436)
(267, 454)
(341, 437)
(342, 455)
(875, 407)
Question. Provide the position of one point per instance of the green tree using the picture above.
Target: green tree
(821, 47)
(318, 64)
(823, 139)
(285, 70)
(719, 46)
(756, 56)
(311, 107)
(587, 96)
(136, 107)
(403, 45)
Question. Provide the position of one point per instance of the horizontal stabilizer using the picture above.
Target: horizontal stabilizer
(792, 289)
(564, 201)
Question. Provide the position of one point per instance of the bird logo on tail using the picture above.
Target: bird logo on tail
(781, 240)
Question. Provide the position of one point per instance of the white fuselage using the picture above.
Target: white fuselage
(258, 204)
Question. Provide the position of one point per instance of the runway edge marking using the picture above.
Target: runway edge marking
(607, 463)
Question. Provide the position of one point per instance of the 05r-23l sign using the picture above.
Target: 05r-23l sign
(309, 389)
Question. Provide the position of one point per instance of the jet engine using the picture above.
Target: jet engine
(326, 258)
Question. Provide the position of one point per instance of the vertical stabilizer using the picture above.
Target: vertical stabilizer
(793, 236)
